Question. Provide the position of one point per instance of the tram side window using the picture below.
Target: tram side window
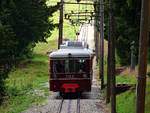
(69, 66)
(81, 66)
(58, 66)
(72, 65)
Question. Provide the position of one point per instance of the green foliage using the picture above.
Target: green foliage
(22, 24)
(128, 99)
(125, 79)
(6, 54)
(19, 103)
(126, 102)
(27, 84)
(29, 22)
(127, 28)
(147, 103)
(127, 25)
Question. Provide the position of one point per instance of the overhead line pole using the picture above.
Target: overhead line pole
(108, 88)
(109, 73)
(111, 62)
(143, 50)
(60, 38)
(96, 30)
(95, 38)
(102, 44)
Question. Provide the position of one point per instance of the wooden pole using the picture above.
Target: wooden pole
(108, 67)
(111, 69)
(96, 30)
(96, 40)
(143, 48)
(102, 43)
(60, 24)
(108, 70)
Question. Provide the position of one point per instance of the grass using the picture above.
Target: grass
(126, 102)
(125, 79)
(22, 87)
(27, 84)
(147, 108)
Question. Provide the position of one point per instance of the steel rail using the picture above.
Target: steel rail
(78, 105)
(69, 106)
(60, 106)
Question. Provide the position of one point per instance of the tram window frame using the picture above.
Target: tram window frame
(76, 66)
(56, 69)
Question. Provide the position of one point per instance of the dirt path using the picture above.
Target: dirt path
(90, 102)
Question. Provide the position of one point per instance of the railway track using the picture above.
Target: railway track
(60, 106)
(69, 106)
(78, 105)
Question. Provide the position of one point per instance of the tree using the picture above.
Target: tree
(22, 24)
(127, 16)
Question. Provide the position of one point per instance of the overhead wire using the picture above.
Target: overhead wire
(83, 27)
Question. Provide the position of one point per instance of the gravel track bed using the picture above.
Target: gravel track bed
(90, 102)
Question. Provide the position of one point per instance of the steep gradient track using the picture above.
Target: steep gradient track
(60, 106)
(68, 105)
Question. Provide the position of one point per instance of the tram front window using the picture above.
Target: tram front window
(70, 66)
(58, 66)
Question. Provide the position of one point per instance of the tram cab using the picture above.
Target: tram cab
(70, 68)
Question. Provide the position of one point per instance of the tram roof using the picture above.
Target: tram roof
(65, 53)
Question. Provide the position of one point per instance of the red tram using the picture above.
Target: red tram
(70, 68)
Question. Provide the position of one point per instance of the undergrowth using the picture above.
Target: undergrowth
(126, 101)
(28, 83)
